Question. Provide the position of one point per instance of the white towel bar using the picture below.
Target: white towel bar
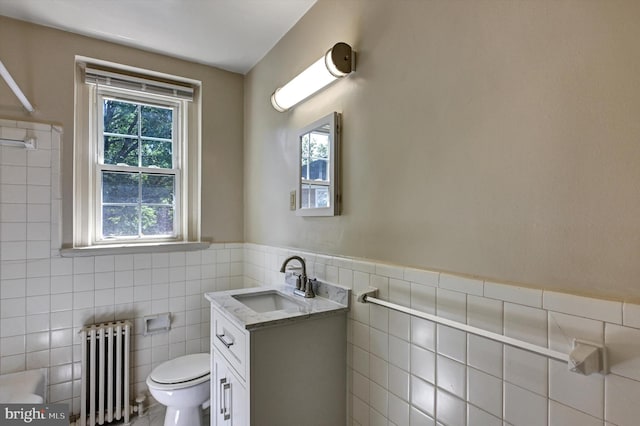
(28, 143)
(580, 360)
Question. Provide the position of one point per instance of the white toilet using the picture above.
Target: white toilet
(182, 385)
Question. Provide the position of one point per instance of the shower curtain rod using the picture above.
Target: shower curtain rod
(586, 357)
(15, 88)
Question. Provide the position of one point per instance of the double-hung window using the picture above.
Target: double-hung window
(136, 170)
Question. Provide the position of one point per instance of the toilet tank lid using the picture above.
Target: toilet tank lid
(182, 369)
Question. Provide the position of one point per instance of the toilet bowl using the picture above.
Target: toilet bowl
(24, 387)
(182, 385)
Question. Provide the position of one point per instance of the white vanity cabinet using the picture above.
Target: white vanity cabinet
(292, 373)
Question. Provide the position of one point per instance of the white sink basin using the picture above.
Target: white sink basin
(267, 301)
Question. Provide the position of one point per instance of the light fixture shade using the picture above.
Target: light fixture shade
(338, 62)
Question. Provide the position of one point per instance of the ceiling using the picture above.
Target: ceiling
(229, 34)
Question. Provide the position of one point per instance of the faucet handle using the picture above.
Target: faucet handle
(298, 282)
(308, 290)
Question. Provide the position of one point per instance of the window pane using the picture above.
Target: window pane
(158, 189)
(157, 154)
(120, 151)
(304, 156)
(304, 196)
(317, 170)
(319, 145)
(315, 156)
(157, 220)
(157, 122)
(321, 196)
(120, 117)
(120, 187)
(119, 221)
(315, 196)
(304, 143)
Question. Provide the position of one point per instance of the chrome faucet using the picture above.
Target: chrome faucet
(303, 284)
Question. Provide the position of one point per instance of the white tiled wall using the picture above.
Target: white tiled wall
(402, 370)
(408, 371)
(45, 299)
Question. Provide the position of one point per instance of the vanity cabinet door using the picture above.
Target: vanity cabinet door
(229, 396)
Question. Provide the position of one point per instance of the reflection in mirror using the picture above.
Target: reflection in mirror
(315, 161)
(318, 147)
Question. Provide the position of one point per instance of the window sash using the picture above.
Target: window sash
(142, 101)
(99, 166)
(100, 204)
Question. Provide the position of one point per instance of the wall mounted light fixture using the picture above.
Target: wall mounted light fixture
(338, 62)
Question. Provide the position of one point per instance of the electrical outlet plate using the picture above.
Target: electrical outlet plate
(292, 200)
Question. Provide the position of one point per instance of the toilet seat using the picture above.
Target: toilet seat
(181, 372)
(176, 386)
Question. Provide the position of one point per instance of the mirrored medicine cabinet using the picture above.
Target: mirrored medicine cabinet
(318, 179)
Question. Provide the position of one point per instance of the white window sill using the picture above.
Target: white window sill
(113, 249)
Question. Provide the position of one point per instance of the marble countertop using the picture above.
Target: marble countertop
(330, 299)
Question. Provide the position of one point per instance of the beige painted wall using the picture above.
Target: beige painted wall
(41, 60)
(492, 138)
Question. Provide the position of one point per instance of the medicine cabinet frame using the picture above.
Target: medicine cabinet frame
(320, 196)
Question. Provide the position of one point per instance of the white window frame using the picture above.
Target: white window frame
(88, 156)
